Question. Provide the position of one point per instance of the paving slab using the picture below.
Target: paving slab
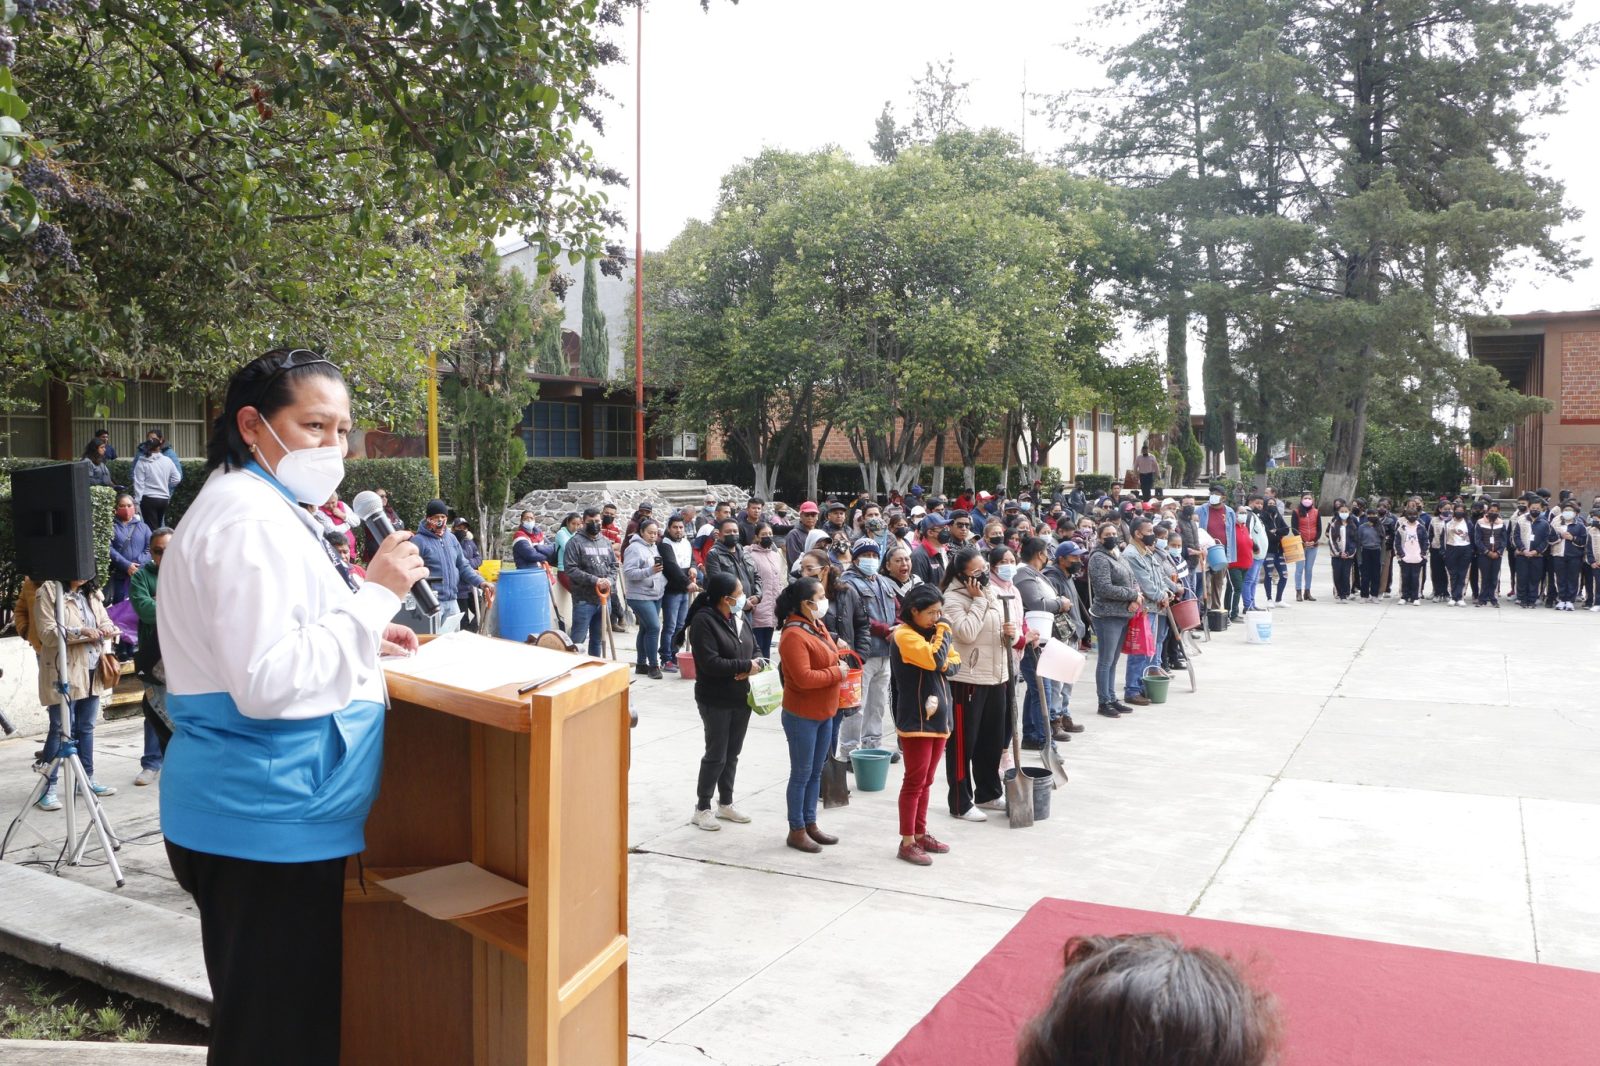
(1563, 844)
(84, 1053)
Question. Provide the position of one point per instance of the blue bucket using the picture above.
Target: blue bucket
(523, 600)
(1217, 557)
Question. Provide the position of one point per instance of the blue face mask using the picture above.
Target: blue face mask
(868, 565)
(738, 605)
(1006, 571)
(1026, 506)
(1174, 552)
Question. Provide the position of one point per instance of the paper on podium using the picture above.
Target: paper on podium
(479, 663)
(457, 891)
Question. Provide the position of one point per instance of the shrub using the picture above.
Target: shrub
(1496, 467)
(1397, 464)
(409, 483)
(1094, 484)
(1293, 480)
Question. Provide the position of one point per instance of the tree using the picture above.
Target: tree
(202, 178)
(594, 351)
(936, 101)
(488, 386)
(887, 138)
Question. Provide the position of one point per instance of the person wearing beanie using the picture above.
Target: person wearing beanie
(449, 573)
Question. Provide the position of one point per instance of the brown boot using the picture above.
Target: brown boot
(799, 841)
(1297, 594)
(1310, 598)
(819, 836)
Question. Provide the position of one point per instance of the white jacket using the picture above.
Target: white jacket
(251, 605)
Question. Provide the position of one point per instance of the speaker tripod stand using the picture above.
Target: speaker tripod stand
(75, 783)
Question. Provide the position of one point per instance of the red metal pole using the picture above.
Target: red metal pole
(638, 250)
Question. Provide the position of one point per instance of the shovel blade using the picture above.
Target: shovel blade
(835, 784)
(1019, 800)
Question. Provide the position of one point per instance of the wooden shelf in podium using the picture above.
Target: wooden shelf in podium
(533, 788)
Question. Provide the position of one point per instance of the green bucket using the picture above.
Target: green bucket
(871, 767)
(1155, 687)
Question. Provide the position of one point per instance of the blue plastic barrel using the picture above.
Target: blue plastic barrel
(523, 600)
(1217, 557)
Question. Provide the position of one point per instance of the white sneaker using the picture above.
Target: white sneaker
(146, 777)
(705, 820)
(973, 815)
(729, 813)
(994, 805)
(49, 801)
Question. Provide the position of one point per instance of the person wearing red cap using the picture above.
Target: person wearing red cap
(794, 545)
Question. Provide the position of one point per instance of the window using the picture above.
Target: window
(25, 432)
(613, 431)
(1106, 425)
(679, 446)
(147, 405)
(552, 430)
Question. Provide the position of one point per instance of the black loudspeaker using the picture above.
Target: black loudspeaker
(53, 526)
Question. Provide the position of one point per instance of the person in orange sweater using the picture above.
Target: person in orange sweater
(922, 657)
(812, 674)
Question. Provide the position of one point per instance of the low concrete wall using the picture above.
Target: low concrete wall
(19, 687)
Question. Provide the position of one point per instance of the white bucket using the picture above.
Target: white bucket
(1258, 627)
(1059, 662)
(1041, 622)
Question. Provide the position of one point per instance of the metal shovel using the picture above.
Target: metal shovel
(1019, 790)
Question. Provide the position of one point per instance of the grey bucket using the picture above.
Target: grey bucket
(1043, 785)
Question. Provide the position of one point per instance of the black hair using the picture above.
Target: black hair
(332, 536)
(719, 586)
(591, 512)
(1148, 999)
(262, 384)
(918, 599)
(955, 571)
(793, 595)
(1033, 547)
(997, 555)
(91, 449)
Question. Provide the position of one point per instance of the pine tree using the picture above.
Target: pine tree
(594, 353)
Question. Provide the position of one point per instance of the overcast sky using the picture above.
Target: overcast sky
(801, 74)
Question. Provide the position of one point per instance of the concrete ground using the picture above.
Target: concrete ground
(1416, 775)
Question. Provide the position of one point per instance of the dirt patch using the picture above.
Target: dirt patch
(36, 1003)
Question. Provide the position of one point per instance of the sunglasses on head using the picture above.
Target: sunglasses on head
(295, 359)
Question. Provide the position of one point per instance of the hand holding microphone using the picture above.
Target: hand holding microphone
(398, 565)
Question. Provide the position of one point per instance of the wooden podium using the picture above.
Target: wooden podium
(533, 788)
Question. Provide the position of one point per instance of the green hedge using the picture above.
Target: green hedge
(1094, 484)
(1293, 480)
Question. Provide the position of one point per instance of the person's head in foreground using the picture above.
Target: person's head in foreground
(1145, 1000)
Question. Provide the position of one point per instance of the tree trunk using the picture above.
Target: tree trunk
(1344, 449)
(1008, 437)
(813, 476)
(1178, 356)
(1230, 441)
(937, 487)
(764, 473)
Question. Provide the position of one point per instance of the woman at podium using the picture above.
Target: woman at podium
(277, 702)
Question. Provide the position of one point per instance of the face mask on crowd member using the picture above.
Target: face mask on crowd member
(1568, 515)
(1214, 499)
(591, 525)
(730, 540)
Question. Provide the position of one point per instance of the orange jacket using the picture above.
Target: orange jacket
(810, 661)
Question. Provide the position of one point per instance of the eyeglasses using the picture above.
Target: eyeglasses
(297, 358)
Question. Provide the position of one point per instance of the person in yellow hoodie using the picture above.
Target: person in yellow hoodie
(923, 657)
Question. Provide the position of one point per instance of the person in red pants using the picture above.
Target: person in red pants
(922, 658)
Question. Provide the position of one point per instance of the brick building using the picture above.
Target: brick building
(1554, 354)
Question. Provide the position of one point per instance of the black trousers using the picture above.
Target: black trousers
(153, 509)
(1147, 484)
(972, 757)
(1441, 579)
(725, 730)
(1341, 576)
(1410, 580)
(273, 937)
(1551, 565)
(1371, 571)
(1530, 572)
(1457, 557)
(1566, 572)
(1488, 580)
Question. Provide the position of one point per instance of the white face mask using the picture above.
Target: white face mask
(310, 473)
(819, 608)
(1213, 499)
(1567, 516)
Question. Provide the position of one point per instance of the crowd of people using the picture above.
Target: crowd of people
(907, 623)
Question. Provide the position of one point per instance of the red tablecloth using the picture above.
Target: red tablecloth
(1344, 1002)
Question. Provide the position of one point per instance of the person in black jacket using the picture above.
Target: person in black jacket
(728, 557)
(933, 554)
(724, 649)
(847, 615)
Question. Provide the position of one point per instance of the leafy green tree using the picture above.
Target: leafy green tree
(204, 178)
(594, 352)
(488, 386)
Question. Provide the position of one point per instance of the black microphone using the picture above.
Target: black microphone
(369, 508)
